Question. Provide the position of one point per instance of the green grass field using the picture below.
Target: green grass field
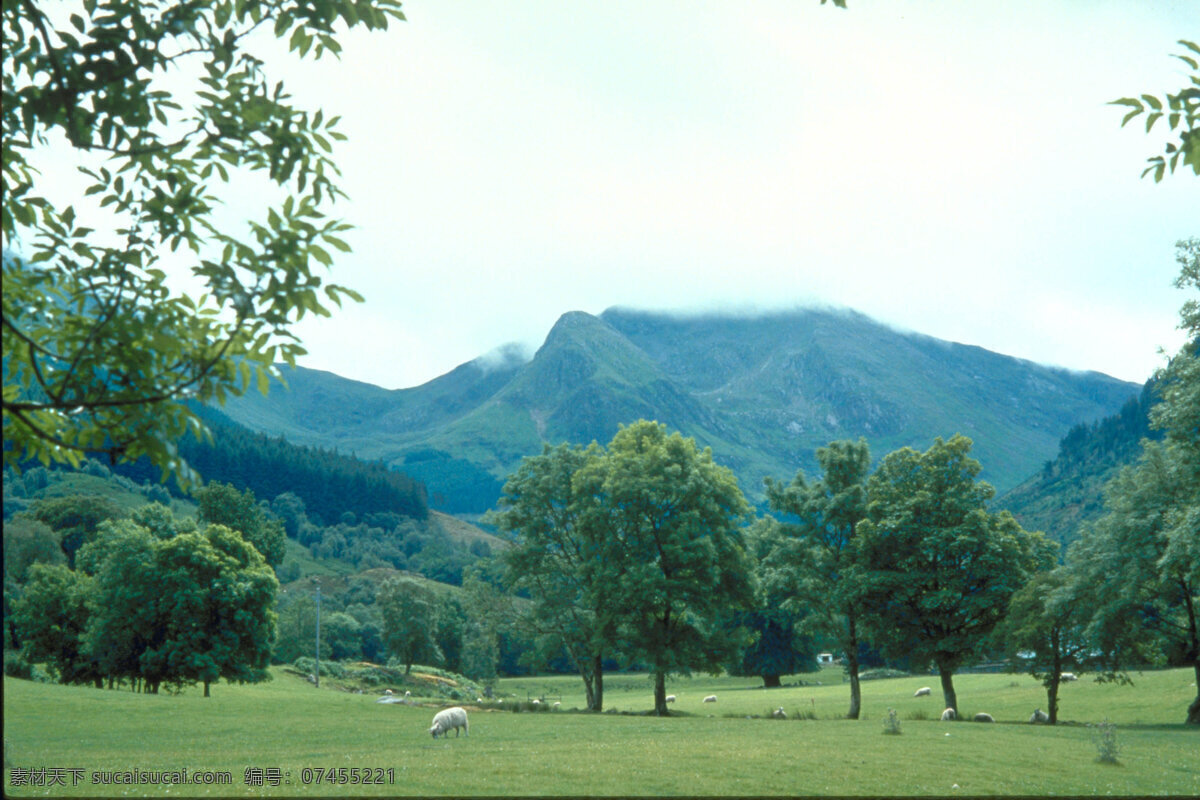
(709, 749)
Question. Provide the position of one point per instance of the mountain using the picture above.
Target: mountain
(1069, 490)
(764, 392)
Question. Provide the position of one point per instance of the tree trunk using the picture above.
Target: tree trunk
(771, 682)
(1052, 697)
(947, 676)
(660, 694)
(1193, 717)
(598, 678)
(852, 668)
(206, 689)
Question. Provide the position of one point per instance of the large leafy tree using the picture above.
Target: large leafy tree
(934, 569)
(195, 607)
(542, 506)
(667, 557)
(100, 352)
(1139, 564)
(812, 558)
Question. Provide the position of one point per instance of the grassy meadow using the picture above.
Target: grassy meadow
(707, 749)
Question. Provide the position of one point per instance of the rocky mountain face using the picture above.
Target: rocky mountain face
(764, 392)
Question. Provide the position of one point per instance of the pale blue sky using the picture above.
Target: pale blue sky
(946, 167)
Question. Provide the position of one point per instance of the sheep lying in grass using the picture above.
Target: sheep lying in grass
(1039, 717)
(923, 691)
(712, 698)
(447, 719)
(1069, 676)
(982, 717)
(779, 713)
(949, 715)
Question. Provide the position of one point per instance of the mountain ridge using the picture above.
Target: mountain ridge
(764, 392)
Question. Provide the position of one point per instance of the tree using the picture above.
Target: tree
(409, 612)
(100, 353)
(666, 558)
(51, 618)
(1139, 564)
(222, 504)
(1182, 111)
(160, 521)
(812, 558)
(195, 607)
(935, 570)
(542, 508)
(215, 614)
(76, 518)
(27, 542)
(1045, 627)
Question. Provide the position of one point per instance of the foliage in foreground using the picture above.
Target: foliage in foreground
(100, 352)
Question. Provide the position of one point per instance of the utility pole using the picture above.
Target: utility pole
(317, 579)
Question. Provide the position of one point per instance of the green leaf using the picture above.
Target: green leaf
(1152, 101)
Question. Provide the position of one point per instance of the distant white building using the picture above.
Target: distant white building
(824, 658)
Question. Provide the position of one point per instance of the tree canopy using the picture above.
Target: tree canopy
(100, 351)
(667, 555)
(814, 551)
(935, 569)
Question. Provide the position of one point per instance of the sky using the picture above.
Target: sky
(949, 168)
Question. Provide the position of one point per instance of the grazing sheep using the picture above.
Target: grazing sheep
(982, 717)
(923, 691)
(949, 715)
(536, 702)
(556, 704)
(670, 698)
(712, 698)
(447, 719)
(387, 691)
(1039, 717)
(1068, 676)
(779, 713)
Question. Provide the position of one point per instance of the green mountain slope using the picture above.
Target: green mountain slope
(763, 392)
(1068, 491)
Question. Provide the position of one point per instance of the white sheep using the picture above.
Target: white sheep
(447, 719)
(779, 713)
(557, 704)
(712, 698)
(982, 717)
(670, 698)
(1068, 676)
(923, 691)
(949, 715)
(537, 702)
(1039, 717)
(387, 691)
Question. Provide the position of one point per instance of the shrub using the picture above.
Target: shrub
(891, 723)
(15, 666)
(1104, 736)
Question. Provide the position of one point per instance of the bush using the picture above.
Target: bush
(891, 723)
